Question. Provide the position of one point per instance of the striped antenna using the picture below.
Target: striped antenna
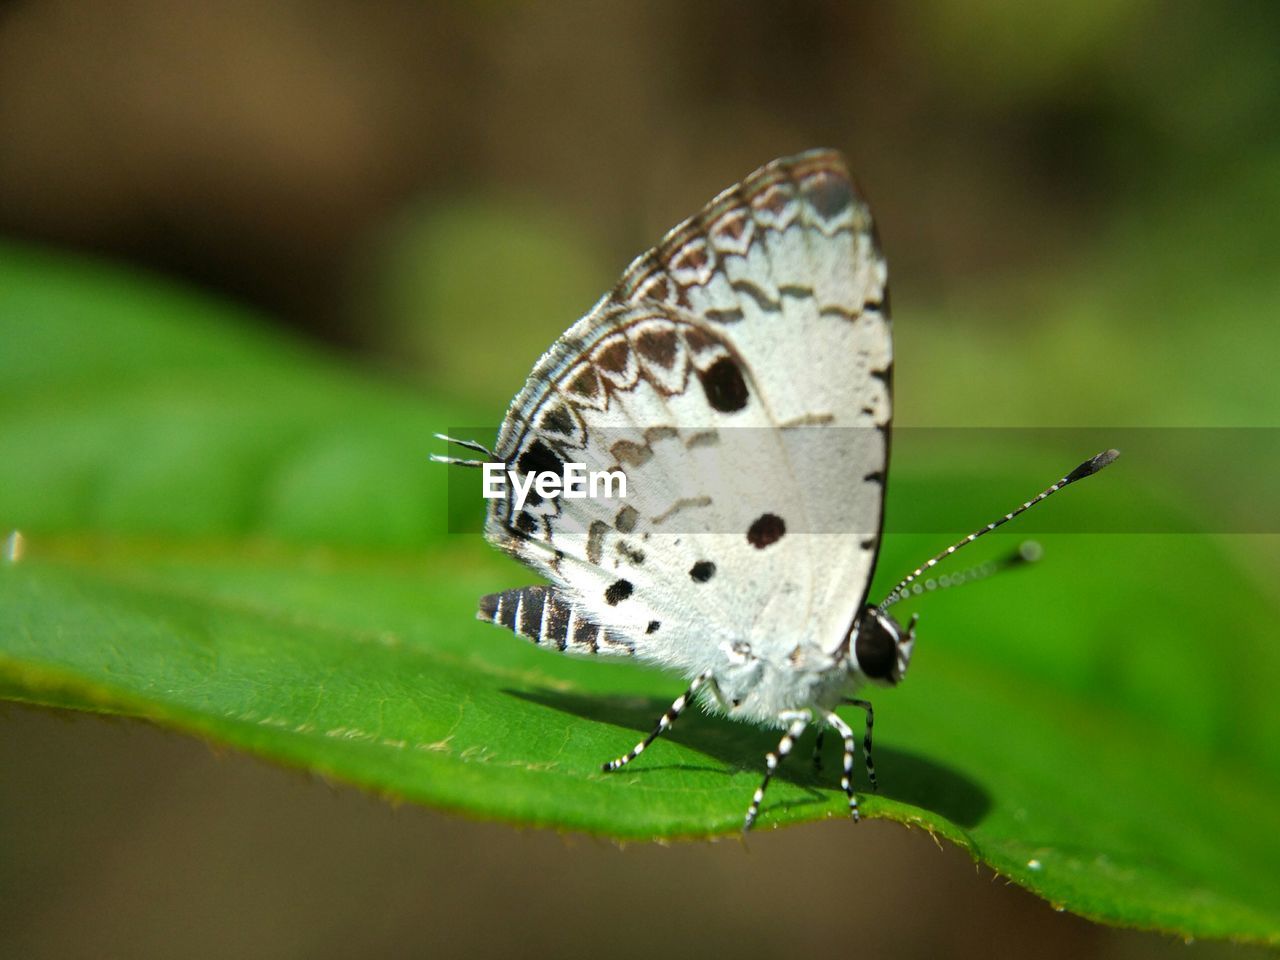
(458, 461)
(906, 586)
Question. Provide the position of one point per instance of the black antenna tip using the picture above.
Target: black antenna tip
(1093, 465)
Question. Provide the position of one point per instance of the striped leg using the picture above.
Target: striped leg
(866, 741)
(664, 723)
(797, 721)
(846, 779)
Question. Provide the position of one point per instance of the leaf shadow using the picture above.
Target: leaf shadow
(903, 776)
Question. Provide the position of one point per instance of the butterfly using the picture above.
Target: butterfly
(739, 378)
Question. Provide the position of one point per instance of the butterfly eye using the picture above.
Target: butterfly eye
(876, 647)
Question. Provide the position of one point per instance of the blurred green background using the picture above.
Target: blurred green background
(1080, 213)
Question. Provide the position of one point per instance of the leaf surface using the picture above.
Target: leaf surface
(232, 536)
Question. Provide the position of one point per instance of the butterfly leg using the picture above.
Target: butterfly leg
(664, 722)
(796, 722)
(866, 741)
(846, 779)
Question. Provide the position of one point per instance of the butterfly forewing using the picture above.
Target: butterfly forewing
(738, 375)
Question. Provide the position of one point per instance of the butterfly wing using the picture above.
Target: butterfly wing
(738, 376)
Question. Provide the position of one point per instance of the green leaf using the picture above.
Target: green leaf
(231, 536)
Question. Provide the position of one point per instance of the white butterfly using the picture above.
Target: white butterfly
(739, 376)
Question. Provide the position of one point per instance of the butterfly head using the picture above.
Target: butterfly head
(882, 647)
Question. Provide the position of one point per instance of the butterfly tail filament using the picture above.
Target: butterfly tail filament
(459, 461)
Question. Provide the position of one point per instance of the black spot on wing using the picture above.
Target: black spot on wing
(617, 591)
(539, 458)
(702, 571)
(653, 626)
(767, 529)
(724, 385)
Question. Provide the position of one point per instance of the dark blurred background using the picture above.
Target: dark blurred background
(1074, 197)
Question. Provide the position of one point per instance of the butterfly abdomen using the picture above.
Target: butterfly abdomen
(542, 614)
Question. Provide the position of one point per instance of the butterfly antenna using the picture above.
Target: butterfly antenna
(1086, 469)
(458, 461)
(1028, 552)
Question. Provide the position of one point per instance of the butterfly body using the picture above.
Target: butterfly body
(761, 691)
